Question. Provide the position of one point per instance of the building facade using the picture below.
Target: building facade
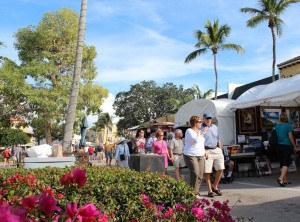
(289, 68)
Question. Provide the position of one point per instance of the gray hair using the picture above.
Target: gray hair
(178, 131)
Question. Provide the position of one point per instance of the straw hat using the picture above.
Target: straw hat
(122, 139)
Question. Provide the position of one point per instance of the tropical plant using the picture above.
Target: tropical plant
(269, 11)
(48, 53)
(71, 114)
(198, 93)
(213, 40)
(104, 121)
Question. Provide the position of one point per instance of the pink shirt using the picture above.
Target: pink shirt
(161, 147)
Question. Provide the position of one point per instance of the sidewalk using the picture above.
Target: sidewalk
(261, 197)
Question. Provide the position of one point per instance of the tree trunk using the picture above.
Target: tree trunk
(70, 119)
(48, 135)
(216, 74)
(274, 53)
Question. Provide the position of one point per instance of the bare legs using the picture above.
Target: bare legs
(216, 182)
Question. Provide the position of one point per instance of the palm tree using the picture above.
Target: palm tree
(70, 119)
(104, 121)
(213, 40)
(269, 11)
(198, 93)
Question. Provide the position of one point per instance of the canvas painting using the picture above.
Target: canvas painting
(293, 117)
(269, 117)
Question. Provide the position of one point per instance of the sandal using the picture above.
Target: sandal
(218, 192)
(281, 183)
(211, 194)
(287, 182)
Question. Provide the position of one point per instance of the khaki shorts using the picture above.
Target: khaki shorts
(215, 159)
(179, 161)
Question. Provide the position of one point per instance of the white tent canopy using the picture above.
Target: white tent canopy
(218, 108)
(284, 92)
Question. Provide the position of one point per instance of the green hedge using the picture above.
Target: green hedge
(114, 190)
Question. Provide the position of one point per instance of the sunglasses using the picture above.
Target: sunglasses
(199, 121)
(161, 134)
(208, 118)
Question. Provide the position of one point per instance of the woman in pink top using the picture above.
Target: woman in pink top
(160, 147)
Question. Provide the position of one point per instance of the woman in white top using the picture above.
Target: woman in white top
(194, 153)
(122, 149)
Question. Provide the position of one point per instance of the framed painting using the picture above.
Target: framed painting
(269, 117)
(247, 120)
(293, 117)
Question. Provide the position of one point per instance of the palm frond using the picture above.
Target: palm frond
(239, 49)
(279, 26)
(198, 35)
(194, 54)
(256, 20)
(251, 11)
(206, 40)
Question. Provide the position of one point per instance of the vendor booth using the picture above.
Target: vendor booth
(220, 109)
(259, 108)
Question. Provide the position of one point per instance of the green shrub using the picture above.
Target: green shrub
(116, 191)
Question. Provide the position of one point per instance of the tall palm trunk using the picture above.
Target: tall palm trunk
(216, 74)
(274, 53)
(68, 134)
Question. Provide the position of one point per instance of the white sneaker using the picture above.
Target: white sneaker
(198, 196)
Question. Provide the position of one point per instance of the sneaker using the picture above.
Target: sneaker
(198, 196)
(211, 194)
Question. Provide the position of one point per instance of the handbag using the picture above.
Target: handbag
(122, 156)
(273, 137)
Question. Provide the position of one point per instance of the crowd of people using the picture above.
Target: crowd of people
(200, 151)
(12, 154)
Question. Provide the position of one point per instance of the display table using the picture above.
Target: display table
(143, 162)
(242, 158)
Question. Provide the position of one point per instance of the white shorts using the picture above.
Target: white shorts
(215, 159)
(178, 161)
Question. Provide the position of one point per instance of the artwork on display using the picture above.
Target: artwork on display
(293, 117)
(247, 120)
(241, 139)
(269, 117)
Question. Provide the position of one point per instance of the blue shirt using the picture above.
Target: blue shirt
(211, 136)
(282, 132)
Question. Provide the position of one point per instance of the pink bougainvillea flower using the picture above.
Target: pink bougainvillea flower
(217, 204)
(104, 218)
(198, 212)
(29, 202)
(30, 179)
(79, 177)
(159, 207)
(7, 216)
(72, 209)
(21, 212)
(47, 203)
(60, 196)
(66, 179)
(89, 212)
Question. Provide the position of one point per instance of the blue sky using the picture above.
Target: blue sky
(140, 40)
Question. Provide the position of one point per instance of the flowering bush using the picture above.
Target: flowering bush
(101, 194)
(44, 206)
